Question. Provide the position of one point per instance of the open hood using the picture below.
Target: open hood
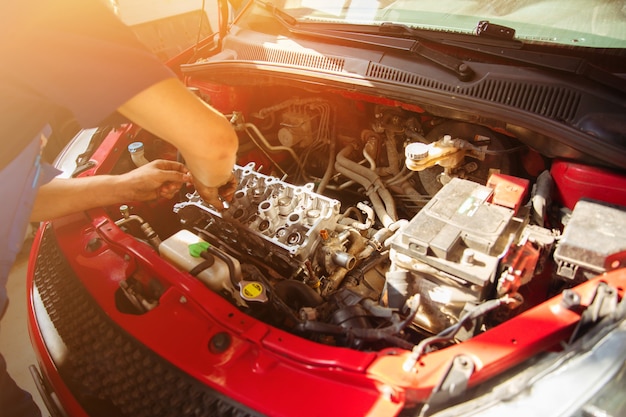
(429, 220)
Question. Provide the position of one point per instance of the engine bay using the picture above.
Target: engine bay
(367, 223)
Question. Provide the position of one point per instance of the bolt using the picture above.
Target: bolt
(93, 244)
(468, 257)
(463, 361)
(570, 299)
(219, 342)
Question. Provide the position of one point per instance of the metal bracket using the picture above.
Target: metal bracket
(453, 383)
(604, 304)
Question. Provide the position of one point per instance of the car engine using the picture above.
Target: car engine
(408, 228)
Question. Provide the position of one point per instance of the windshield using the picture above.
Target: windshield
(590, 23)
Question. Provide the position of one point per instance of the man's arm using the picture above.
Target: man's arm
(63, 196)
(204, 136)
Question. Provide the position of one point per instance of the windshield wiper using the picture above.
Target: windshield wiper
(567, 64)
(504, 46)
(496, 40)
(400, 37)
(412, 46)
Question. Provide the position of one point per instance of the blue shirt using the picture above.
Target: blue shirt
(20, 181)
(57, 56)
(65, 56)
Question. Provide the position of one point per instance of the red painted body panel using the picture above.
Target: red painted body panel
(575, 181)
(273, 371)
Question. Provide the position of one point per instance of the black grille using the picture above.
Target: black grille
(282, 56)
(110, 373)
(555, 102)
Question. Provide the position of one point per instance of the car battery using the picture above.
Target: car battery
(460, 234)
(594, 231)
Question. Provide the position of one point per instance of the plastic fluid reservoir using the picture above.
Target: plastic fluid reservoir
(178, 250)
(136, 151)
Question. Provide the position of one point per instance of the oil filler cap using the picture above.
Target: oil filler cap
(253, 291)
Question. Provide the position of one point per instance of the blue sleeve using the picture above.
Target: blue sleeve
(20, 181)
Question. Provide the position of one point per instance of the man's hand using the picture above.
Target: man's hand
(63, 196)
(216, 196)
(204, 137)
(159, 178)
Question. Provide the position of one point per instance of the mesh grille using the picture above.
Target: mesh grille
(109, 372)
(282, 56)
(546, 100)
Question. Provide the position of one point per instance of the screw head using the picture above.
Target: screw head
(220, 342)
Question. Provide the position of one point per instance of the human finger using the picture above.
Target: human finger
(227, 191)
(210, 195)
(169, 189)
(168, 165)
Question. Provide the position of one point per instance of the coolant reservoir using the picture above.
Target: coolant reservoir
(178, 248)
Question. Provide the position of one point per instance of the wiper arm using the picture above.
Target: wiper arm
(403, 38)
(487, 34)
(497, 40)
(567, 64)
(412, 46)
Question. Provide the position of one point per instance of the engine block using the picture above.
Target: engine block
(274, 221)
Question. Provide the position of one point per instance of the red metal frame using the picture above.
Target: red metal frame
(273, 371)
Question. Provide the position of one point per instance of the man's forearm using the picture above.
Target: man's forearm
(63, 196)
(203, 135)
